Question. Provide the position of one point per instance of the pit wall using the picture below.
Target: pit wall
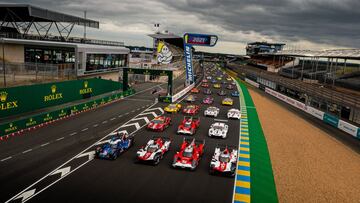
(22, 99)
(17, 127)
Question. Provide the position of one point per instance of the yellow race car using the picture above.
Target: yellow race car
(172, 108)
(227, 102)
(217, 86)
(219, 78)
(228, 79)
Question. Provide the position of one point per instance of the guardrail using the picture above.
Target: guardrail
(33, 122)
(325, 117)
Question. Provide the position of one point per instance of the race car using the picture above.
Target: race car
(189, 154)
(219, 78)
(218, 129)
(235, 93)
(207, 91)
(195, 90)
(227, 102)
(159, 123)
(154, 150)
(217, 86)
(213, 81)
(209, 77)
(208, 100)
(229, 87)
(204, 81)
(228, 79)
(212, 111)
(222, 93)
(172, 108)
(117, 144)
(233, 83)
(191, 109)
(206, 85)
(223, 82)
(234, 113)
(190, 98)
(188, 125)
(224, 161)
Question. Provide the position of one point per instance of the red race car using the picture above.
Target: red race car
(189, 155)
(188, 125)
(195, 90)
(191, 109)
(204, 85)
(204, 81)
(159, 123)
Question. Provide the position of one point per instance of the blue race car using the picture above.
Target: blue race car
(117, 145)
(235, 93)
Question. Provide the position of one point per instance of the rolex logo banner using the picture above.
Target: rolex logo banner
(21, 99)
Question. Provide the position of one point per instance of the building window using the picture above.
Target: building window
(105, 62)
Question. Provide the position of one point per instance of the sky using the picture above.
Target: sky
(301, 24)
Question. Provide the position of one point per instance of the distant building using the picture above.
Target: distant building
(255, 48)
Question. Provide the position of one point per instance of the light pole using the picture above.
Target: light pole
(3, 56)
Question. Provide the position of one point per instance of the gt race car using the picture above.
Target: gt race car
(222, 93)
(154, 150)
(227, 102)
(206, 85)
(235, 93)
(172, 108)
(224, 161)
(212, 111)
(234, 114)
(189, 154)
(190, 98)
(208, 100)
(229, 87)
(191, 109)
(159, 123)
(188, 125)
(219, 130)
(195, 90)
(217, 86)
(117, 144)
(207, 91)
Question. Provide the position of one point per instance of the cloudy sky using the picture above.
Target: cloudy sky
(302, 24)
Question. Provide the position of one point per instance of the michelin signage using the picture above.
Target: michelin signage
(191, 39)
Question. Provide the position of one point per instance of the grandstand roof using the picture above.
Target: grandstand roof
(336, 53)
(265, 43)
(29, 13)
(164, 36)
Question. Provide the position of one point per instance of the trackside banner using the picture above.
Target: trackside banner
(188, 64)
(182, 92)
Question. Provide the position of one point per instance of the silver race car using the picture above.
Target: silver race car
(218, 130)
(234, 114)
(212, 111)
(224, 161)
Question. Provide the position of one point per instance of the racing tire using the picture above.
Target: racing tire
(194, 165)
(156, 160)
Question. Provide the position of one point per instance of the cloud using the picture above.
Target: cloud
(313, 24)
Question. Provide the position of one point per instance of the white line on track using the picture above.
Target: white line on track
(26, 151)
(221, 120)
(43, 145)
(112, 119)
(104, 122)
(85, 129)
(119, 116)
(95, 125)
(74, 133)
(60, 138)
(7, 158)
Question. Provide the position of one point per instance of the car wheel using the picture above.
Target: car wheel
(194, 165)
(157, 160)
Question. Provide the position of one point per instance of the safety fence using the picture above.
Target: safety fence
(22, 99)
(36, 121)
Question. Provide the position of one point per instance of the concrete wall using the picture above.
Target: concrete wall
(13, 53)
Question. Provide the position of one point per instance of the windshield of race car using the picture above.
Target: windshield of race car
(173, 106)
(187, 154)
(187, 124)
(158, 121)
(217, 127)
(224, 158)
(152, 148)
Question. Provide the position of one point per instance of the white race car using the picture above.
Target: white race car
(224, 161)
(218, 130)
(234, 113)
(212, 111)
(154, 150)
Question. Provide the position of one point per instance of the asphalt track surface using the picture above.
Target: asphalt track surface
(121, 180)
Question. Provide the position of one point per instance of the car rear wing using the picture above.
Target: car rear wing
(230, 147)
(191, 117)
(197, 142)
(162, 137)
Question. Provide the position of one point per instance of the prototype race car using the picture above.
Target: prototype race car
(228, 79)
(217, 86)
(189, 154)
(209, 77)
(227, 102)
(115, 146)
(195, 90)
(222, 93)
(190, 98)
(208, 100)
(207, 91)
(229, 87)
(191, 109)
(159, 123)
(154, 150)
(204, 81)
(172, 108)
(205, 85)
(224, 161)
(234, 113)
(188, 125)
(218, 130)
(212, 111)
(235, 93)
(219, 78)
(213, 81)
